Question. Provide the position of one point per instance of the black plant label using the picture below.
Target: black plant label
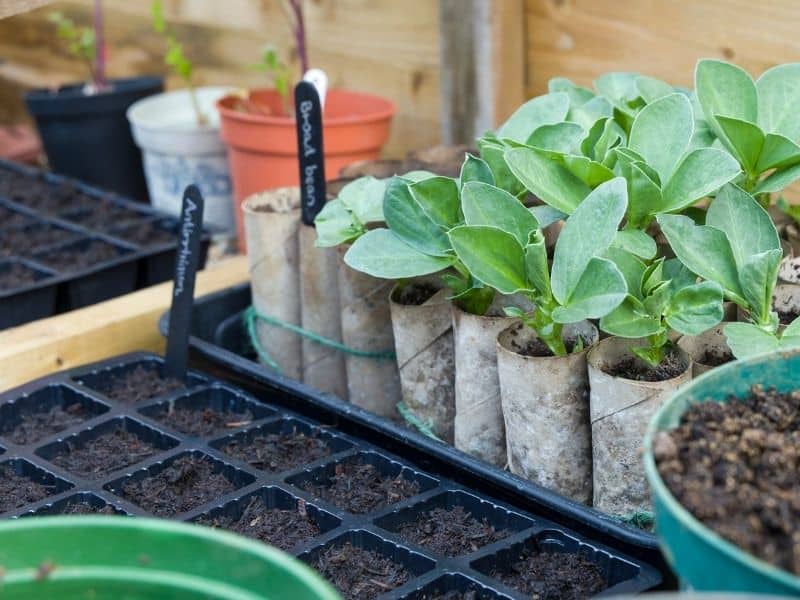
(308, 114)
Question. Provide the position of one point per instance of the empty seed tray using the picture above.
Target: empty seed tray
(117, 438)
(64, 245)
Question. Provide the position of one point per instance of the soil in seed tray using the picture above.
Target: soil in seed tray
(203, 422)
(34, 426)
(787, 316)
(16, 276)
(84, 508)
(185, 484)
(416, 294)
(451, 532)
(715, 357)
(145, 234)
(359, 488)
(736, 467)
(109, 452)
(24, 241)
(68, 260)
(275, 452)
(137, 385)
(284, 529)
(359, 574)
(103, 216)
(16, 491)
(12, 218)
(471, 594)
(629, 368)
(552, 576)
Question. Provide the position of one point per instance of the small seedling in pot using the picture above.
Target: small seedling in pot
(176, 59)
(85, 44)
(278, 71)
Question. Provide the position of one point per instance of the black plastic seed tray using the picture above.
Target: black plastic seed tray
(257, 460)
(64, 245)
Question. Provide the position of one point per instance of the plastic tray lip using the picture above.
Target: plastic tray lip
(80, 496)
(407, 591)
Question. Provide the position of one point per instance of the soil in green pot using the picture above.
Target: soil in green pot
(736, 467)
(359, 574)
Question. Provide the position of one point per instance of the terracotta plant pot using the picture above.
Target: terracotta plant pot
(262, 148)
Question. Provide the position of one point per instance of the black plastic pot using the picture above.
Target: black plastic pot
(89, 138)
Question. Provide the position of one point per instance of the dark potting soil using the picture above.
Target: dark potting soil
(203, 422)
(736, 467)
(185, 484)
(137, 385)
(787, 316)
(630, 368)
(37, 425)
(103, 216)
(552, 576)
(359, 574)
(473, 593)
(25, 241)
(275, 452)
(68, 260)
(537, 347)
(16, 276)
(109, 452)
(12, 218)
(359, 488)
(84, 508)
(714, 357)
(43, 196)
(451, 532)
(145, 234)
(16, 490)
(284, 529)
(416, 294)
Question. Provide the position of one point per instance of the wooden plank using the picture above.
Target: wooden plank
(101, 331)
(508, 82)
(9, 8)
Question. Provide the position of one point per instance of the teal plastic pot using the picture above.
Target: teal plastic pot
(701, 558)
(104, 557)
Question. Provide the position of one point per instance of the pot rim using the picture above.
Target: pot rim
(648, 384)
(144, 103)
(386, 112)
(686, 518)
(582, 353)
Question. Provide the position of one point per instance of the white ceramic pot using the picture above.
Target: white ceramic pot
(176, 151)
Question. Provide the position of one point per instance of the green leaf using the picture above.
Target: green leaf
(547, 179)
(701, 173)
(491, 255)
(335, 225)
(439, 198)
(410, 223)
(749, 227)
(586, 234)
(547, 215)
(364, 198)
(600, 289)
(695, 309)
(380, 253)
(636, 242)
(475, 169)
(632, 269)
(704, 250)
(589, 113)
(778, 93)
(778, 180)
(651, 89)
(485, 204)
(560, 137)
(792, 329)
(644, 196)
(493, 154)
(418, 175)
(591, 137)
(542, 110)
(577, 95)
(661, 132)
(611, 136)
(757, 277)
(744, 139)
(618, 87)
(746, 339)
(678, 274)
(536, 266)
(727, 90)
(657, 299)
(630, 320)
(778, 152)
(590, 172)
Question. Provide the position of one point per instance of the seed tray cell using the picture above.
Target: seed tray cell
(237, 495)
(27, 291)
(31, 239)
(10, 218)
(17, 474)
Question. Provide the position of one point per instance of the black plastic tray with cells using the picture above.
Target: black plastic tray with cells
(47, 424)
(65, 245)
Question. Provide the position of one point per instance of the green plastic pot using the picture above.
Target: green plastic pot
(702, 559)
(105, 557)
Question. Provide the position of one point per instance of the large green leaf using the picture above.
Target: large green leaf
(637, 242)
(586, 234)
(600, 289)
(587, 114)
(560, 137)
(577, 95)
(485, 204)
(335, 225)
(380, 253)
(590, 172)
(701, 173)
(547, 215)
(661, 132)
(746, 339)
(651, 89)
(727, 90)
(618, 87)
(704, 250)
(475, 169)
(491, 255)
(757, 276)
(493, 153)
(542, 110)
(611, 136)
(439, 198)
(749, 228)
(591, 137)
(777, 152)
(631, 267)
(536, 266)
(410, 223)
(630, 320)
(778, 180)
(695, 309)
(364, 198)
(547, 179)
(745, 141)
(644, 196)
(778, 100)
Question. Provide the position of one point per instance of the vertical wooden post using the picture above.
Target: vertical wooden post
(482, 58)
